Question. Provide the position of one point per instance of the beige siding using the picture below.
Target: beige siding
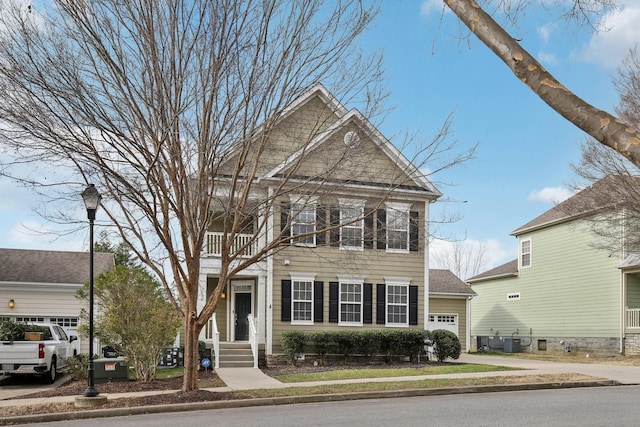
(443, 305)
(327, 263)
(46, 302)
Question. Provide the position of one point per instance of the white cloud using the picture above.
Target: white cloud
(429, 6)
(545, 31)
(550, 194)
(621, 32)
(547, 58)
(32, 234)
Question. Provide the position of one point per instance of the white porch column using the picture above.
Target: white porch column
(202, 298)
(262, 282)
(426, 264)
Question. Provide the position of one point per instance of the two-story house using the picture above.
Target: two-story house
(354, 211)
(567, 291)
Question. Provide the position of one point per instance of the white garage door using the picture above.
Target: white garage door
(444, 321)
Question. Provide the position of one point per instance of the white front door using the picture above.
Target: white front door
(448, 322)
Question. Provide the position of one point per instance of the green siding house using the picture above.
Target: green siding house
(565, 292)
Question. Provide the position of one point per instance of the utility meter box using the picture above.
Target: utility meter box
(109, 370)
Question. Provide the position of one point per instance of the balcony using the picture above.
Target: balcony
(213, 247)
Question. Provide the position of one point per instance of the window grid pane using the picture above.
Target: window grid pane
(302, 299)
(352, 232)
(351, 302)
(397, 304)
(397, 229)
(303, 221)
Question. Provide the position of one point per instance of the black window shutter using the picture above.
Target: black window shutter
(334, 234)
(367, 312)
(413, 305)
(368, 230)
(381, 225)
(318, 300)
(333, 302)
(414, 231)
(285, 299)
(285, 229)
(321, 224)
(380, 304)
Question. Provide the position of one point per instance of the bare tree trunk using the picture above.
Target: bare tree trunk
(604, 127)
(192, 332)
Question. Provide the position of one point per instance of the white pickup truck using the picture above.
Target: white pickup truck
(42, 352)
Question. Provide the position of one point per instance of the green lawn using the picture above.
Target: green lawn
(346, 374)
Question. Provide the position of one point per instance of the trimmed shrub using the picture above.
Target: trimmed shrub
(293, 343)
(445, 344)
(78, 366)
(321, 344)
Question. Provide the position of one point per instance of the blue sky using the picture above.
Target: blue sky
(525, 149)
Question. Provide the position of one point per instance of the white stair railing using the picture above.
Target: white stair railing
(216, 341)
(253, 338)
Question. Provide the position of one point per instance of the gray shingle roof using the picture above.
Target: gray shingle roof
(445, 282)
(39, 266)
(507, 269)
(585, 202)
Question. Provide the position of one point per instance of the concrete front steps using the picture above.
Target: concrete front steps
(236, 355)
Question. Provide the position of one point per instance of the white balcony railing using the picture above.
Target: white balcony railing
(633, 317)
(241, 243)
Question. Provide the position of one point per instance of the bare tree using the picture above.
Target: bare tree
(464, 258)
(604, 127)
(169, 108)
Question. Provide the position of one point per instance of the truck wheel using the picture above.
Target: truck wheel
(50, 376)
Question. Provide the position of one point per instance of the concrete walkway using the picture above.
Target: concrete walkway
(251, 378)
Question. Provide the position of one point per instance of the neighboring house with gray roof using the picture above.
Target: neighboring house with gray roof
(40, 286)
(564, 292)
(449, 299)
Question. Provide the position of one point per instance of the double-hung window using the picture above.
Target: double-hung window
(352, 220)
(525, 253)
(350, 300)
(397, 304)
(398, 227)
(303, 220)
(302, 299)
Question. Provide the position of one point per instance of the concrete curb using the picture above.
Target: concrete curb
(287, 400)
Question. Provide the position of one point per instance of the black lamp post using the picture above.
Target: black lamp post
(91, 199)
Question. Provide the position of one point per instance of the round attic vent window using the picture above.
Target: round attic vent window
(351, 139)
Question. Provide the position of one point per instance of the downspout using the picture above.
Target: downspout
(468, 322)
(623, 280)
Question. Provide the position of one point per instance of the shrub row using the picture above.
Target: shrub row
(370, 342)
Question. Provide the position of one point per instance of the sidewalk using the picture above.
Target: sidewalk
(250, 378)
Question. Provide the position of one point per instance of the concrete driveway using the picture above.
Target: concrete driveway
(16, 386)
(619, 373)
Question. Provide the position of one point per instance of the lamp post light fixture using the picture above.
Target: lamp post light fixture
(91, 198)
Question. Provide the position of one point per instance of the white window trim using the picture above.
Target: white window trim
(356, 280)
(302, 277)
(353, 204)
(399, 207)
(523, 253)
(395, 281)
(306, 201)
